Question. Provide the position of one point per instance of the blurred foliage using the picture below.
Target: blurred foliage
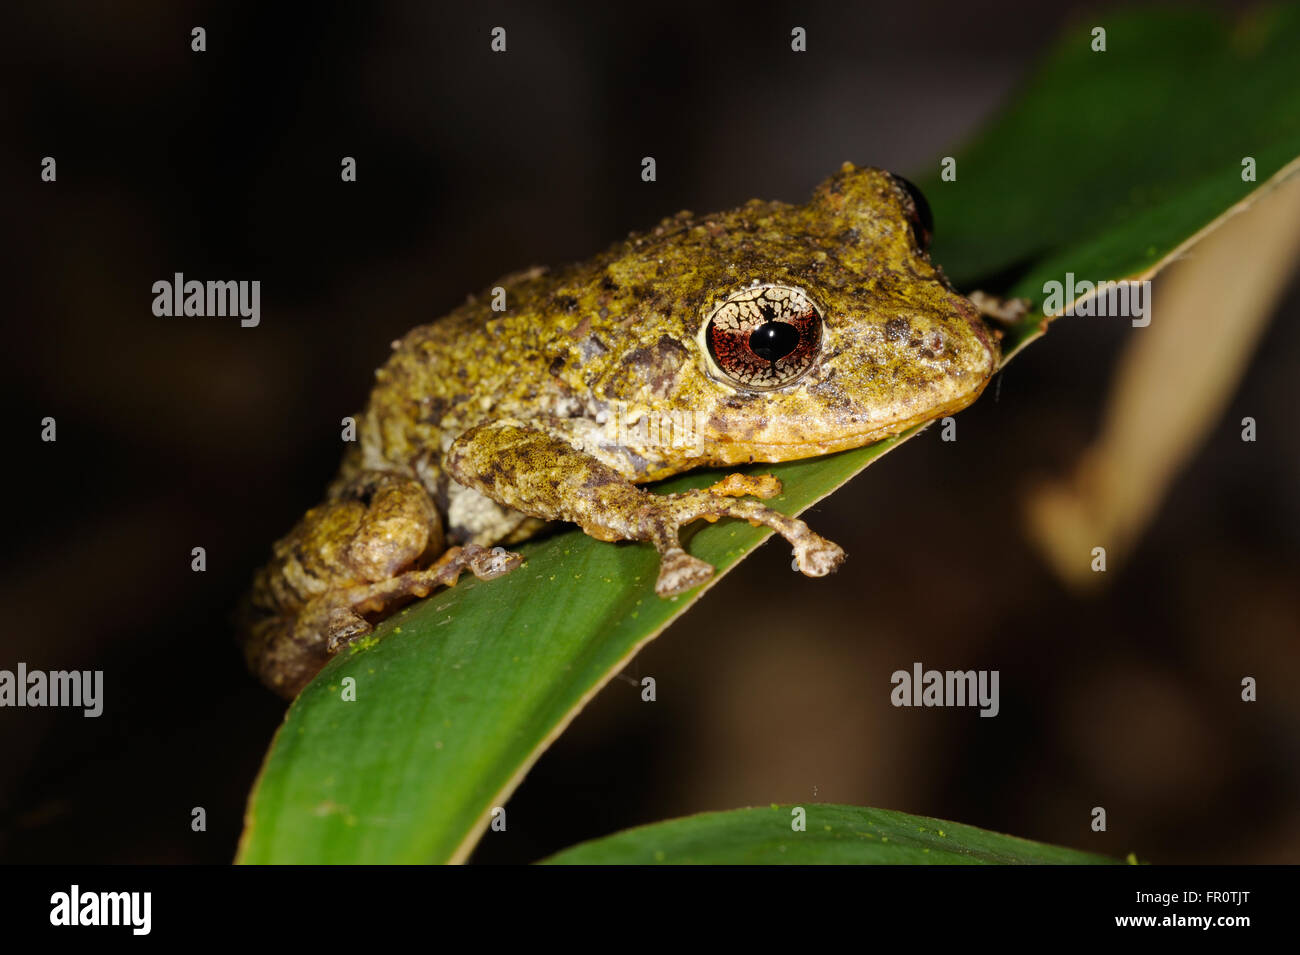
(1103, 166)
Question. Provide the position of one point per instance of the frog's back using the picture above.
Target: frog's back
(571, 342)
(552, 337)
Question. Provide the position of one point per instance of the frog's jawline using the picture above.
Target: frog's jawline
(771, 453)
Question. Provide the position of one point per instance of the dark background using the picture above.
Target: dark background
(182, 432)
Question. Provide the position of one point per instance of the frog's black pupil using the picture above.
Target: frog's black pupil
(772, 341)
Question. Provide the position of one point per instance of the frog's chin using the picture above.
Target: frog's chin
(773, 453)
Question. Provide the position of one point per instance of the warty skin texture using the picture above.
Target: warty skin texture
(485, 425)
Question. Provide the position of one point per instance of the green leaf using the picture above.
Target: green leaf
(461, 692)
(833, 835)
(1106, 166)
(1110, 163)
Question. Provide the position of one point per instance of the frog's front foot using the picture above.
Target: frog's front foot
(1004, 311)
(679, 572)
(544, 476)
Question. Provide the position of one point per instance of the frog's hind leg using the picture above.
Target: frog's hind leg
(288, 650)
(344, 616)
(376, 543)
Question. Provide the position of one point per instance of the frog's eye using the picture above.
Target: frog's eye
(920, 216)
(765, 336)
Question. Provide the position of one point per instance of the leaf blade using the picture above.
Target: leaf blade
(834, 835)
(476, 703)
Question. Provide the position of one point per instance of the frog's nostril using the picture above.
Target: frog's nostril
(772, 341)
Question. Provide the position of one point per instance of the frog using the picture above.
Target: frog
(768, 333)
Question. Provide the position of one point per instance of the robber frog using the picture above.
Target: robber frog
(767, 333)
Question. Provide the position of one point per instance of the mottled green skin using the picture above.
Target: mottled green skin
(502, 420)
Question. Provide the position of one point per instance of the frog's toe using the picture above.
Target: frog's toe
(818, 557)
(679, 572)
(487, 564)
(747, 485)
(343, 626)
(1006, 311)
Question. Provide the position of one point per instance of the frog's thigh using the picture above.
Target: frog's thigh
(546, 477)
(399, 527)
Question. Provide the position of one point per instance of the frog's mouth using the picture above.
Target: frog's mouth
(735, 447)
